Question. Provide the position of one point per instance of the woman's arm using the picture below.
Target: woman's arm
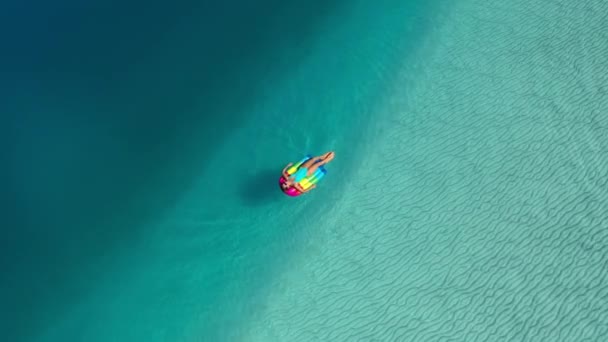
(302, 190)
(284, 173)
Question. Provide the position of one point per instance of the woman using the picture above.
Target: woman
(307, 169)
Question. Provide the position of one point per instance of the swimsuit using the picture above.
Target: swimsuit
(300, 174)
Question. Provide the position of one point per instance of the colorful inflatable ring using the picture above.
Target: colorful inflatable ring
(305, 183)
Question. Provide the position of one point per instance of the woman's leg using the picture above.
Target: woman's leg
(319, 161)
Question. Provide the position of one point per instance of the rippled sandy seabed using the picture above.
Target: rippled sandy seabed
(481, 210)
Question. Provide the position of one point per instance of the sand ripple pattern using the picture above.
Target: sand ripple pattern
(496, 225)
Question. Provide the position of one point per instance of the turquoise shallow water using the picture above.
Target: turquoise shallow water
(467, 201)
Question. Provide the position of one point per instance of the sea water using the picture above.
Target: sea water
(467, 200)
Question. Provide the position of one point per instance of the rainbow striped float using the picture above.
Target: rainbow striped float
(305, 183)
